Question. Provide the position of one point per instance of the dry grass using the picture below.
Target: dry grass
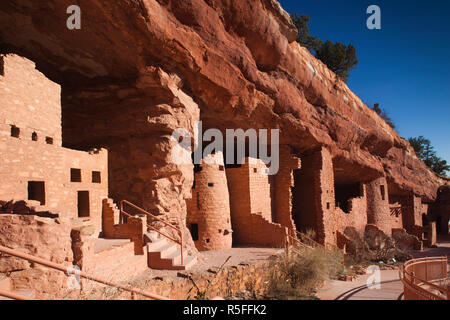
(298, 274)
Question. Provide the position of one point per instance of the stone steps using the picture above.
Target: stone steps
(165, 255)
(161, 252)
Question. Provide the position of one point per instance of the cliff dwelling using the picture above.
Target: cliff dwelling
(86, 142)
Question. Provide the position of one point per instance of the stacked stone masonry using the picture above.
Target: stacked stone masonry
(355, 170)
(69, 182)
(209, 218)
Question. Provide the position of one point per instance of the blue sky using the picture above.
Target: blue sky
(405, 66)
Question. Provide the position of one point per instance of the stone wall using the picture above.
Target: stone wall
(111, 260)
(378, 212)
(440, 211)
(134, 228)
(30, 101)
(209, 208)
(143, 162)
(35, 170)
(283, 182)
(214, 282)
(251, 205)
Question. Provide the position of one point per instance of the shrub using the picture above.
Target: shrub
(299, 273)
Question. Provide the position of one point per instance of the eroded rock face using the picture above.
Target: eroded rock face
(137, 70)
(237, 60)
(42, 237)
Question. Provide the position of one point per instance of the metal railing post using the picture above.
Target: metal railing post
(149, 215)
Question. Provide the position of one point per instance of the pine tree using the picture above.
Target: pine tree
(338, 57)
(425, 151)
(383, 114)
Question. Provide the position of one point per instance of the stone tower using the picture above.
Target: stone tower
(208, 217)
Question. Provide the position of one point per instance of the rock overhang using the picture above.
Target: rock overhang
(238, 60)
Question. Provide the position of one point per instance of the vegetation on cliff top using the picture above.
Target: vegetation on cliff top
(383, 114)
(425, 151)
(338, 57)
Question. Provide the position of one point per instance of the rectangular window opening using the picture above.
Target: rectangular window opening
(15, 132)
(36, 191)
(383, 192)
(96, 177)
(49, 140)
(75, 175)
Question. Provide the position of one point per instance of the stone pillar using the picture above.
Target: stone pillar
(209, 208)
(378, 212)
(432, 237)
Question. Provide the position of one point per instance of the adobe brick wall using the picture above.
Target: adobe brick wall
(314, 196)
(114, 263)
(25, 161)
(239, 192)
(133, 229)
(315, 203)
(378, 212)
(209, 207)
(32, 103)
(259, 185)
(29, 100)
(135, 121)
(356, 218)
(306, 186)
(283, 182)
(412, 211)
(440, 210)
(251, 206)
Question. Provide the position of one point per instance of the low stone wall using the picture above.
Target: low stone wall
(214, 283)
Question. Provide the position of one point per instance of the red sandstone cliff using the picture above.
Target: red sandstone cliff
(237, 60)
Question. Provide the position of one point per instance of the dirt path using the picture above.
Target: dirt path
(391, 288)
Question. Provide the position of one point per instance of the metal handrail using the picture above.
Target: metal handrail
(180, 233)
(413, 279)
(315, 242)
(82, 274)
(13, 295)
(297, 241)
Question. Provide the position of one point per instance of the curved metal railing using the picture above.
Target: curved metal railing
(426, 279)
(68, 271)
(151, 216)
